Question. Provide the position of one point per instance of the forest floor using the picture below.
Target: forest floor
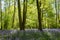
(30, 34)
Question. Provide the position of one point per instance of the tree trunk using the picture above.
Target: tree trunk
(39, 15)
(14, 13)
(5, 16)
(56, 12)
(1, 13)
(19, 15)
(24, 13)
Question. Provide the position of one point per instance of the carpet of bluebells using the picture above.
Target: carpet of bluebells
(34, 34)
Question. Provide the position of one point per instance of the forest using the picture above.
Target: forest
(39, 15)
(29, 14)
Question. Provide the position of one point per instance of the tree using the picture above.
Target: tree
(19, 15)
(1, 12)
(24, 13)
(39, 14)
(14, 13)
(0, 9)
(56, 11)
(6, 20)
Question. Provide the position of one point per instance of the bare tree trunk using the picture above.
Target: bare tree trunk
(24, 13)
(19, 15)
(39, 15)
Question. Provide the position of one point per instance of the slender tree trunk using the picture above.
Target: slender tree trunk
(39, 15)
(14, 13)
(5, 20)
(19, 15)
(56, 11)
(1, 12)
(6, 23)
(24, 13)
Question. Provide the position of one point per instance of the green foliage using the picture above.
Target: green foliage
(48, 11)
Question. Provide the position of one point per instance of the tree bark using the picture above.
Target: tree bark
(24, 13)
(39, 15)
(19, 15)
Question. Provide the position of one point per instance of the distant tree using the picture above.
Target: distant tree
(39, 14)
(14, 13)
(56, 11)
(5, 20)
(7, 7)
(1, 12)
